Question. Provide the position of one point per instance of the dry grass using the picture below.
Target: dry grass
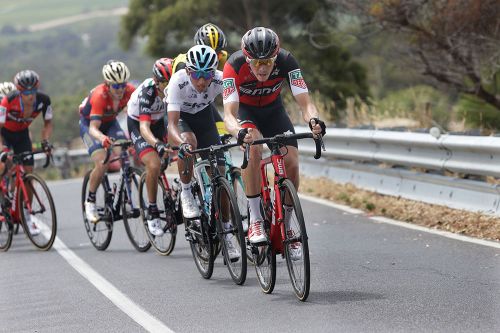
(433, 216)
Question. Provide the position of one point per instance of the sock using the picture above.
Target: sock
(91, 197)
(186, 187)
(254, 207)
(288, 211)
(153, 210)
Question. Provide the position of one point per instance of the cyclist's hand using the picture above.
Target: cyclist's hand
(184, 150)
(106, 142)
(162, 148)
(317, 126)
(46, 147)
(245, 136)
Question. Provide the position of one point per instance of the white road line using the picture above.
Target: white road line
(381, 219)
(134, 311)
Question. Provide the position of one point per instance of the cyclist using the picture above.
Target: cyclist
(190, 108)
(253, 78)
(17, 110)
(98, 124)
(146, 110)
(6, 88)
(210, 35)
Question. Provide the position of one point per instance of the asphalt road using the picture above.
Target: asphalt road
(366, 277)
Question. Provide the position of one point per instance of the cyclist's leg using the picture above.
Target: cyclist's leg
(97, 155)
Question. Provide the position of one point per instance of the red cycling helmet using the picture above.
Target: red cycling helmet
(162, 69)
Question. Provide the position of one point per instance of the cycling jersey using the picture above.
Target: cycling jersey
(240, 85)
(12, 111)
(145, 104)
(180, 61)
(99, 104)
(183, 96)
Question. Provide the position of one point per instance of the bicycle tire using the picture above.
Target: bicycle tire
(298, 268)
(264, 257)
(164, 244)
(202, 246)
(237, 267)
(6, 226)
(43, 211)
(134, 225)
(241, 197)
(99, 233)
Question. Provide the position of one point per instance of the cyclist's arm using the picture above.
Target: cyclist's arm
(230, 120)
(3, 118)
(173, 127)
(47, 130)
(98, 105)
(94, 130)
(144, 126)
(307, 107)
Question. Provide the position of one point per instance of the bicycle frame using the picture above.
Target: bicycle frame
(277, 232)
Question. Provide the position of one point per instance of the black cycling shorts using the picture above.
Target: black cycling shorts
(19, 142)
(141, 145)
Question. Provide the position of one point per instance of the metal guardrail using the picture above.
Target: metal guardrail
(355, 156)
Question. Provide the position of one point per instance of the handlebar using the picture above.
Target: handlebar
(18, 158)
(214, 148)
(280, 139)
(123, 144)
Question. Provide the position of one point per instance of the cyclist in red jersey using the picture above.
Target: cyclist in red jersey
(98, 124)
(17, 110)
(253, 78)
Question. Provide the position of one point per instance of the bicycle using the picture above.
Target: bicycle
(288, 240)
(169, 208)
(31, 196)
(119, 202)
(218, 206)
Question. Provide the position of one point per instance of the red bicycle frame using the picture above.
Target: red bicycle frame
(277, 232)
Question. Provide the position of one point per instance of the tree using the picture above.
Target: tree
(455, 42)
(303, 28)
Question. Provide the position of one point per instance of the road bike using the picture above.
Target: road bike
(288, 238)
(220, 220)
(119, 201)
(169, 207)
(26, 200)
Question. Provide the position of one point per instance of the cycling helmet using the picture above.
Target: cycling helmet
(260, 43)
(201, 58)
(211, 35)
(115, 72)
(26, 80)
(6, 88)
(162, 69)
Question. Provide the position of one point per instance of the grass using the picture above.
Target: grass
(27, 12)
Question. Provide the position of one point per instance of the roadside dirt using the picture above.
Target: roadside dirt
(433, 216)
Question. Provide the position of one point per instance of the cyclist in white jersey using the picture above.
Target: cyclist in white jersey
(146, 110)
(190, 95)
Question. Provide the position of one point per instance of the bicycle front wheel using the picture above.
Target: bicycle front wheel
(165, 243)
(100, 232)
(42, 214)
(264, 258)
(295, 243)
(132, 219)
(6, 227)
(230, 231)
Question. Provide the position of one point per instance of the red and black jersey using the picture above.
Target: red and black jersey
(240, 85)
(12, 113)
(99, 104)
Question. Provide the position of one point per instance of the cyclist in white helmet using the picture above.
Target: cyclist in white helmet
(6, 88)
(98, 124)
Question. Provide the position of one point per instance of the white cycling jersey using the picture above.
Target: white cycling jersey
(182, 95)
(145, 104)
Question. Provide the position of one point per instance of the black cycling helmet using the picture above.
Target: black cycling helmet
(260, 43)
(211, 35)
(26, 80)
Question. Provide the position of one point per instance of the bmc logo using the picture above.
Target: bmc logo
(281, 170)
(261, 91)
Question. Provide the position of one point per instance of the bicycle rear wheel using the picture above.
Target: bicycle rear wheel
(165, 243)
(100, 232)
(201, 239)
(296, 244)
(230, 231)
(43, 212)
(6, 227)
(132, 218)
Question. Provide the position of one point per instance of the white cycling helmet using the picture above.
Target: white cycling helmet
(201, 58)
(115, 72)
(6, 88)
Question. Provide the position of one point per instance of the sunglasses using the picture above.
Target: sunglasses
(260, 62)
(29, 92)
(196, 75)
(118, 85)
